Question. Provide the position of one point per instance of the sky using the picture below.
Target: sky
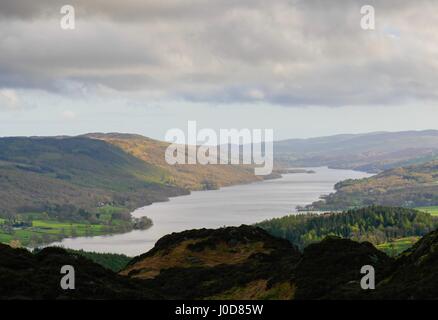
(303, 68)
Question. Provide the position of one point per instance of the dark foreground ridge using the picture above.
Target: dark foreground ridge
(24, 275)
(228, 263)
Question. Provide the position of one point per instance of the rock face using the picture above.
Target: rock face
(229, 263)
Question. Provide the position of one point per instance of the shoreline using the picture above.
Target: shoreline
(216, 209)
(124, 232)
(126, 229)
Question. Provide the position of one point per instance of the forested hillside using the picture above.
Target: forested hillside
(62, 175)
(411, 186)
(57, 187)
(374, 224)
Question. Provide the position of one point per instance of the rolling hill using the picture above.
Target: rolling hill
(39, 174)
(411, 186)
(229, 263)
(129, 171)
(371, 152)
(189, 176)
(126, 171)
(57, 187)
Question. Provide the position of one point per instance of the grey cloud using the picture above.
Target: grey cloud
(127, 10)
(293, 53)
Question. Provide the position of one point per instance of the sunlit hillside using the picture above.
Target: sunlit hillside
(193, 177)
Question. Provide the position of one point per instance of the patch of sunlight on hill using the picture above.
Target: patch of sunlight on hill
(193, 177)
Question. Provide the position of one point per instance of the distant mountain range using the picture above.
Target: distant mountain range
(65, 176)
(371, 152)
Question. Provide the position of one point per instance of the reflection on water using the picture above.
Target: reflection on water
(231, 206)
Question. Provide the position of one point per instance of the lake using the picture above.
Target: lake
(230, 206)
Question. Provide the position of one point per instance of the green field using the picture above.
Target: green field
(432, 210)
(32, 229)
(46, 231)
(397, 246)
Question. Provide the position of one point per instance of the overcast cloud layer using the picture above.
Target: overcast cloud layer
(291, 53)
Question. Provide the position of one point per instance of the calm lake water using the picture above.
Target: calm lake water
(230, 206)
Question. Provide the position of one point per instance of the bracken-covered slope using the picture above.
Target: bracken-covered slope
(41, 173)
(189, 176)
(38, 174)
(229, 263)
(247, 263)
